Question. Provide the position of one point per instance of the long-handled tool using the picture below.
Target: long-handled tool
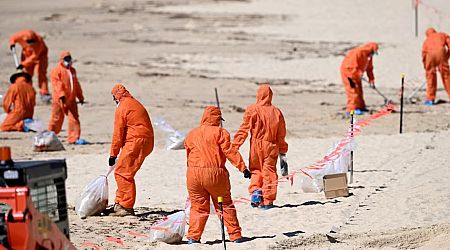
(218, 104)
(410, 97)
(16, 59)
(220, 201)
(386, 100)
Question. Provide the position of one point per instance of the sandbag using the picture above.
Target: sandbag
(94, 198)
(47, 141)
(169, 230)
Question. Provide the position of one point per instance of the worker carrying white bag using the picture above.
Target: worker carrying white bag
(94, 198)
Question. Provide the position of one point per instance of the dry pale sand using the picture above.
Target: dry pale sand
(171, 54)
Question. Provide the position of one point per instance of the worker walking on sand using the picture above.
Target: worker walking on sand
(356, 62)
(267, 127)
(19, 102)
(435, 54)
(34, 57)
(133, 138)
(66, 89)
(207, 147)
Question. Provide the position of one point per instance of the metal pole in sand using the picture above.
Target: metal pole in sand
(220, 201)
(417, 16)
(401, 104)
(352, 113)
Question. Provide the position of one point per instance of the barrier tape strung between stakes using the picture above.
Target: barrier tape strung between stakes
(335, 154)
(349, 135)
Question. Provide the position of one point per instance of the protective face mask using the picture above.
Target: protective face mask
(67, 64)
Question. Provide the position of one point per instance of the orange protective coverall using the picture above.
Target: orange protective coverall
(23, 96)
(34, 56)
(207, 148)
(268, 131)
(435, 53)
(65, 85)
(133, 133)
(356, 62)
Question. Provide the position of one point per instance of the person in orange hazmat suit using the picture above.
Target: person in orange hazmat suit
(207, 147)
(34, 57)
(18, 102)
(133, 138)
(267, 127)
(435, 54)
(356, 62)
(66, 89)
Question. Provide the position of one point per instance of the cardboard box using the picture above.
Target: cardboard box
(335, 185)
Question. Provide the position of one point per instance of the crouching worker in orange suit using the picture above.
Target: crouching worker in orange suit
(267, 127)
(34, 58)
(207, 147)
(356, 62)
(435, 54)
(133, 138)
(66, 89)
(19, 102)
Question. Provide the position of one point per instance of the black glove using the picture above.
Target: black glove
(284, 165)
(12, 46)
(112, 160)
(247, 174)
(20, 66)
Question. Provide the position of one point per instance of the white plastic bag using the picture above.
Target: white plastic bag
(169, 230)
(2, 117)
(175, 139)
(35, 125)
(187, 209)
(94, 198)
(311, 185)
(314, 182)
(47, 141)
